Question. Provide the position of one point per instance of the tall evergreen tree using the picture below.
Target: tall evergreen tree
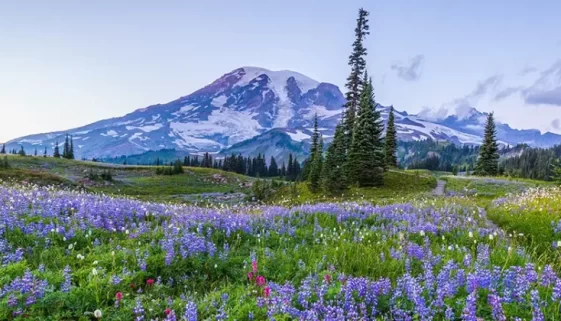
(366, 155)
(273, 168)
(391, 141)
(35, 154)
(56, 153)
(66, 148)
(313, 151)
(314, 177)
(488, 161)
(21, 151)
(71, 148)
(334, 174)
(290, 168)
(3, 151)
(354, 82)
(45, 152)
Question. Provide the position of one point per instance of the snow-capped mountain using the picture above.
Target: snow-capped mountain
(246, 104)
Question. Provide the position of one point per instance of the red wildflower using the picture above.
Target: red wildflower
(254, 266)
(250, 276)
(266, 291)
(260, 280)
(327, 278)
(168, 311)
(119, 296)
(150, 282)
(132, 285)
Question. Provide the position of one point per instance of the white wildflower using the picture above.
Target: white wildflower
(98, 314)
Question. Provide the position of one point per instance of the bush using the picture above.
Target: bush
(262, 190)
(4, 163)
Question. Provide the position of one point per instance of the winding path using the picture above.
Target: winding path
(439, 189)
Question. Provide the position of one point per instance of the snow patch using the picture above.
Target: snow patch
(236, 125)
(110, 133)
(219, 101)
(298, 136)
(146, 129)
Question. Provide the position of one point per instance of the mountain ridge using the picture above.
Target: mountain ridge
(247, 103)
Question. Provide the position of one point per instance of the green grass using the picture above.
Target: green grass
(129, 180)
(398, 186)
(535, 214)
(193, 181)
(487, 188)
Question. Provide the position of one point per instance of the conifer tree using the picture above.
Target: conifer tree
(56, 153)
(71, 149)
(45, 152)
(21, 151)
(488, 161)
(273, 168)
(366, 155)
(391, 141)
(35, 154)
(354, 82)
(290, 168)
(313, 151)
(283, 171)
(66, 147)
(334, 174)
(3, 151)
(314, 177)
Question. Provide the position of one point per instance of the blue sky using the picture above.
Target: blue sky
(68, 63)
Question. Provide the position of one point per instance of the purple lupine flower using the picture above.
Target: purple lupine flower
(537, 314)
(496, 307)
(67, 284)
(190, 311)
(138, 310)
(469, 311)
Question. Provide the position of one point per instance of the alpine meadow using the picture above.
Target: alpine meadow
(266, 194)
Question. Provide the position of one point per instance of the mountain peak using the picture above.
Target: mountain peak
(278, 79)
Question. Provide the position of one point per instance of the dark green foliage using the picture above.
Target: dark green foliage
(488, 161)
(273, 168)
(366, 156)
(455, 170)
(436, 156)
(56, 153)
(4, 164)
(106, 175)
(354, 82)
(45, 152)
(314, 179)
(175, 169)
(534, 163)
(334, 176)
(21, 151)
(3, 151)
(262, 190)
(312, 167)
(556, 171)
(390, 147)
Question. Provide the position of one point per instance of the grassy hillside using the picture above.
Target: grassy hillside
(136, 181)
(399, 185)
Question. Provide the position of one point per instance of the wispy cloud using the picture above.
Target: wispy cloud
(410, 71)
(527, 70)
(463, 107)
(546, 90)
(556, 124)
(506, 93)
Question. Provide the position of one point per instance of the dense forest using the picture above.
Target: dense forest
(535, 163)
(436, 156)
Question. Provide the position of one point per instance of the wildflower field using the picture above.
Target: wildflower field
(68, 255)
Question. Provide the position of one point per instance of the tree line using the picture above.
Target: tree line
(67, 150)
(250, 166)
